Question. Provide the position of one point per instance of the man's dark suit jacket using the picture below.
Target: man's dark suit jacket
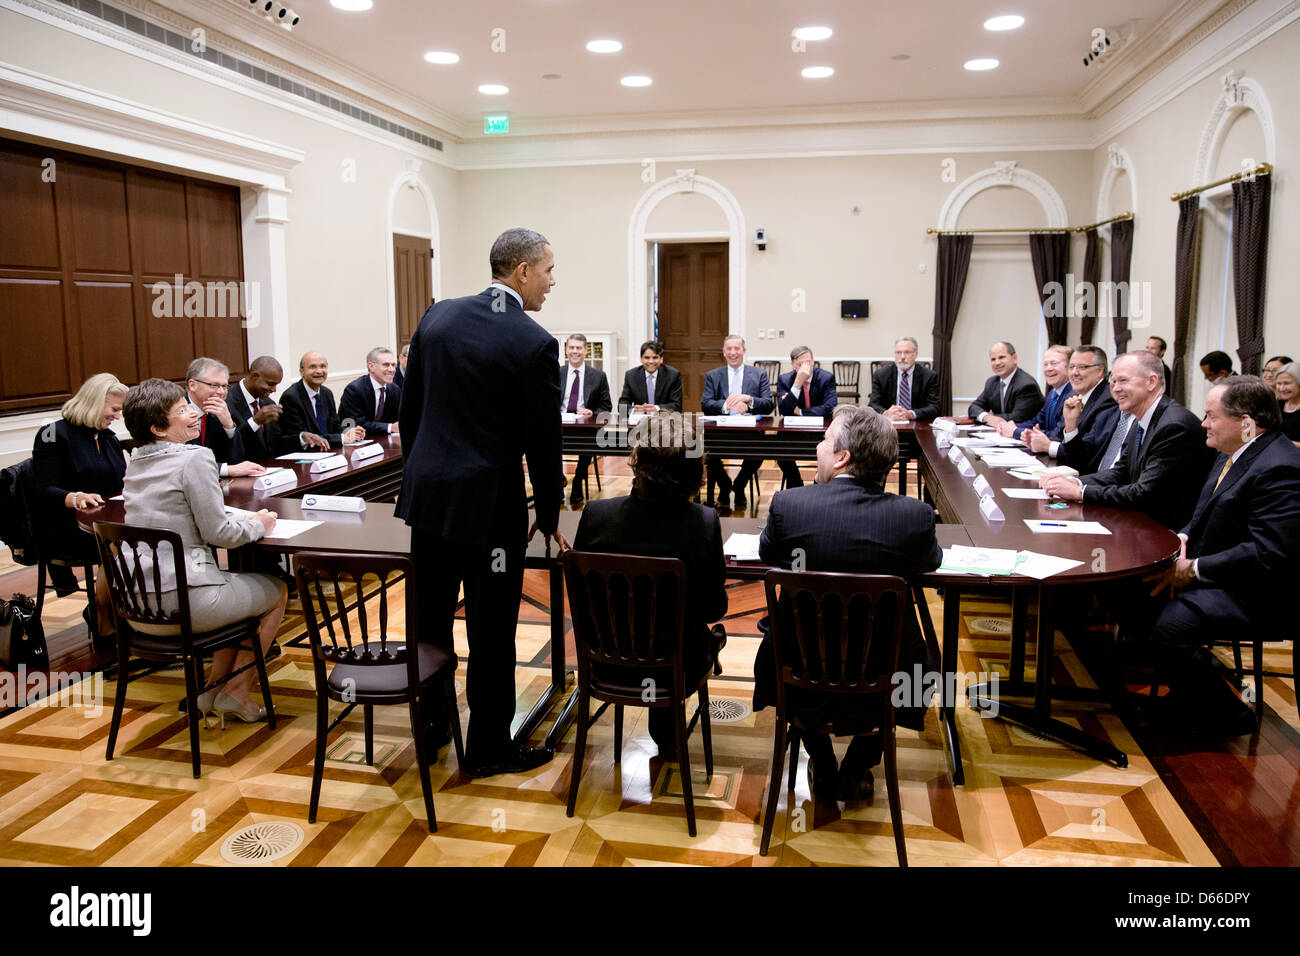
(668, 389)
(399, 377)
(753, 381)
(1024, 398)
(1169, 378)
(925, 391)
(595, 390)
(1244, 536)
(1100, 416)
(359, 405)
(1164, 476)
(258, 442)
(65, 457)
(1051, 426)
(226, 449)
(679, 529)
(850, 525)
(463, 478)
(299, 417)
(821, 394)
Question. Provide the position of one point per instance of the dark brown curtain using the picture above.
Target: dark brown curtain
(1050, 253)
(1091, 279)
(1185, 256)
(1121, 259)
(1250, 202)
(949, 284)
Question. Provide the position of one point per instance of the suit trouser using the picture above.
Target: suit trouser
(1185, 625)
(718, 474)
(790, 468)
(494, 579)
(580, 475)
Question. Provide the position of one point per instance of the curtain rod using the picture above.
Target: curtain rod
(1262, 169)
(930, 230)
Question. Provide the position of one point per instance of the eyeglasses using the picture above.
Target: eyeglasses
(222, 387)
(1073, 368)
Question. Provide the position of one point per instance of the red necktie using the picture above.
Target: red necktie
(807, 401)
(203, 430)
(256, 402)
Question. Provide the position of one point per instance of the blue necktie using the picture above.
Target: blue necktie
(320, 414)
(1051, 410)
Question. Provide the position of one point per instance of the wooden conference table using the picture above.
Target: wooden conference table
(1136, 546)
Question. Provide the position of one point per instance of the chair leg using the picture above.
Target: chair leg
(1257, 671)
(455, 720)
(40, 586)
(579, 748)
(260, 660)
(618, 732)
(1237, 669)
(595, 464)
(794, 755)
(92, 619)
(370, 734)
(318, 768)
(421, 758)
(119, 698)
(684, 763)
(706, 730)
(774, 785)
(192, 715)
(895, 804)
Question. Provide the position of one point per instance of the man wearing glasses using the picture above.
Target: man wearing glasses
(1089, 415)
(206, 386)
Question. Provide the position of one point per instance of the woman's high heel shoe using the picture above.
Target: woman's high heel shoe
(225, 705)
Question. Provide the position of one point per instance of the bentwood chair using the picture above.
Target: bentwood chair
(847, 376)
(628, 619)
(136, 597)
(836, 638)
(362, 664)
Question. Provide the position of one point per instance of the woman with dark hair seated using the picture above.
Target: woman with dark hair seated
(660, 519)
(174, 485)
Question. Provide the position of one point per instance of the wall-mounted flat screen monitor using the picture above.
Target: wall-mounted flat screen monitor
(853, 308)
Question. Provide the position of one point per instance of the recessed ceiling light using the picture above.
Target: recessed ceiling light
(604, 46)
(352, 5)
(1004, 23)
(981, 64)
(636, 81)
(493, 89)
(813, 33)
(817, 72)
(441, 56)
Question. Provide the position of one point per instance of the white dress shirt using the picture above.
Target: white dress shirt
(381, 387)
(578, 372)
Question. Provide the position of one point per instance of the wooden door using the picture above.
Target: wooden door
(412, 276)
(693, 309)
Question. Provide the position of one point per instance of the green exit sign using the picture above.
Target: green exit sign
(496, 125)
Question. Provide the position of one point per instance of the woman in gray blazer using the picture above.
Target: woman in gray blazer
(174, 485)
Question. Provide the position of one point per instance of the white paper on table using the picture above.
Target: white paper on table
(970, 560)
(805, 421)
(118, 498)
(739, 421)
(1023, 475)
(1034, 494)
(1042, 526)
(354, 444)
(635, 418)
(1009, 461)
(742, 547)
(305, 456)
(289, 527)
(1039, 566)
(979, 441)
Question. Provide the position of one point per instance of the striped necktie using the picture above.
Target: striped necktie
(1116, 444)
(905, 390)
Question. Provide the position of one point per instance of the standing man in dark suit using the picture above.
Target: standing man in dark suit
(1157, 346)
(1239, 559)
(1010, 394)
(847, 522)
(905, 391)
(1088, 416)
(373, 401)
(399, 377)
(1056, 361)
(804, 390)
(1216, 366)
(310, 419)
(735, 389)
(253, 407)
(463, 488)
(585, 393)
(207, 386)
(1164, 459)
(653, 386)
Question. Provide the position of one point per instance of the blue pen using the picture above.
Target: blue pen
(1052, 524)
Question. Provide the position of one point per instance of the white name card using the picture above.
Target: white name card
(945, 425)
(738, 421)
(967, 469)
(955, 455)
(804, 421)
(568, 418)
(983, 488)
(329, 464)
(990, 510)
(274, 479)
(367, 451)
(333, 503)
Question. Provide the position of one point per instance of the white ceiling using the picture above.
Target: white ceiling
(705, 56)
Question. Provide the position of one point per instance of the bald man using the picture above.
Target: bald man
(252, 405)
(310, 418)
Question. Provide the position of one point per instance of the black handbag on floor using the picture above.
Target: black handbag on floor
(22, 639)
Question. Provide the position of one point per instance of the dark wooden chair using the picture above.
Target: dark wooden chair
(368, 668)
(586, 481)
(628, 620)
(773, 369)
(136, 599)
(847, 629)
(1257, 670)
(848, 376)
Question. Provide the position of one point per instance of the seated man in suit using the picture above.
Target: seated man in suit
(585, 393)
(399, 377)
(804, 390)
(1088, 416)
(206, 387)
(1010, 394)
(253, 408)
(653, 387)
(1216, 366)
(310, 419)
(847, 522)
(1157, 346)
(1164, 459)
(905, 391)
(735, 389)
(1239, 558)
(1048, 420)
(373, 401)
